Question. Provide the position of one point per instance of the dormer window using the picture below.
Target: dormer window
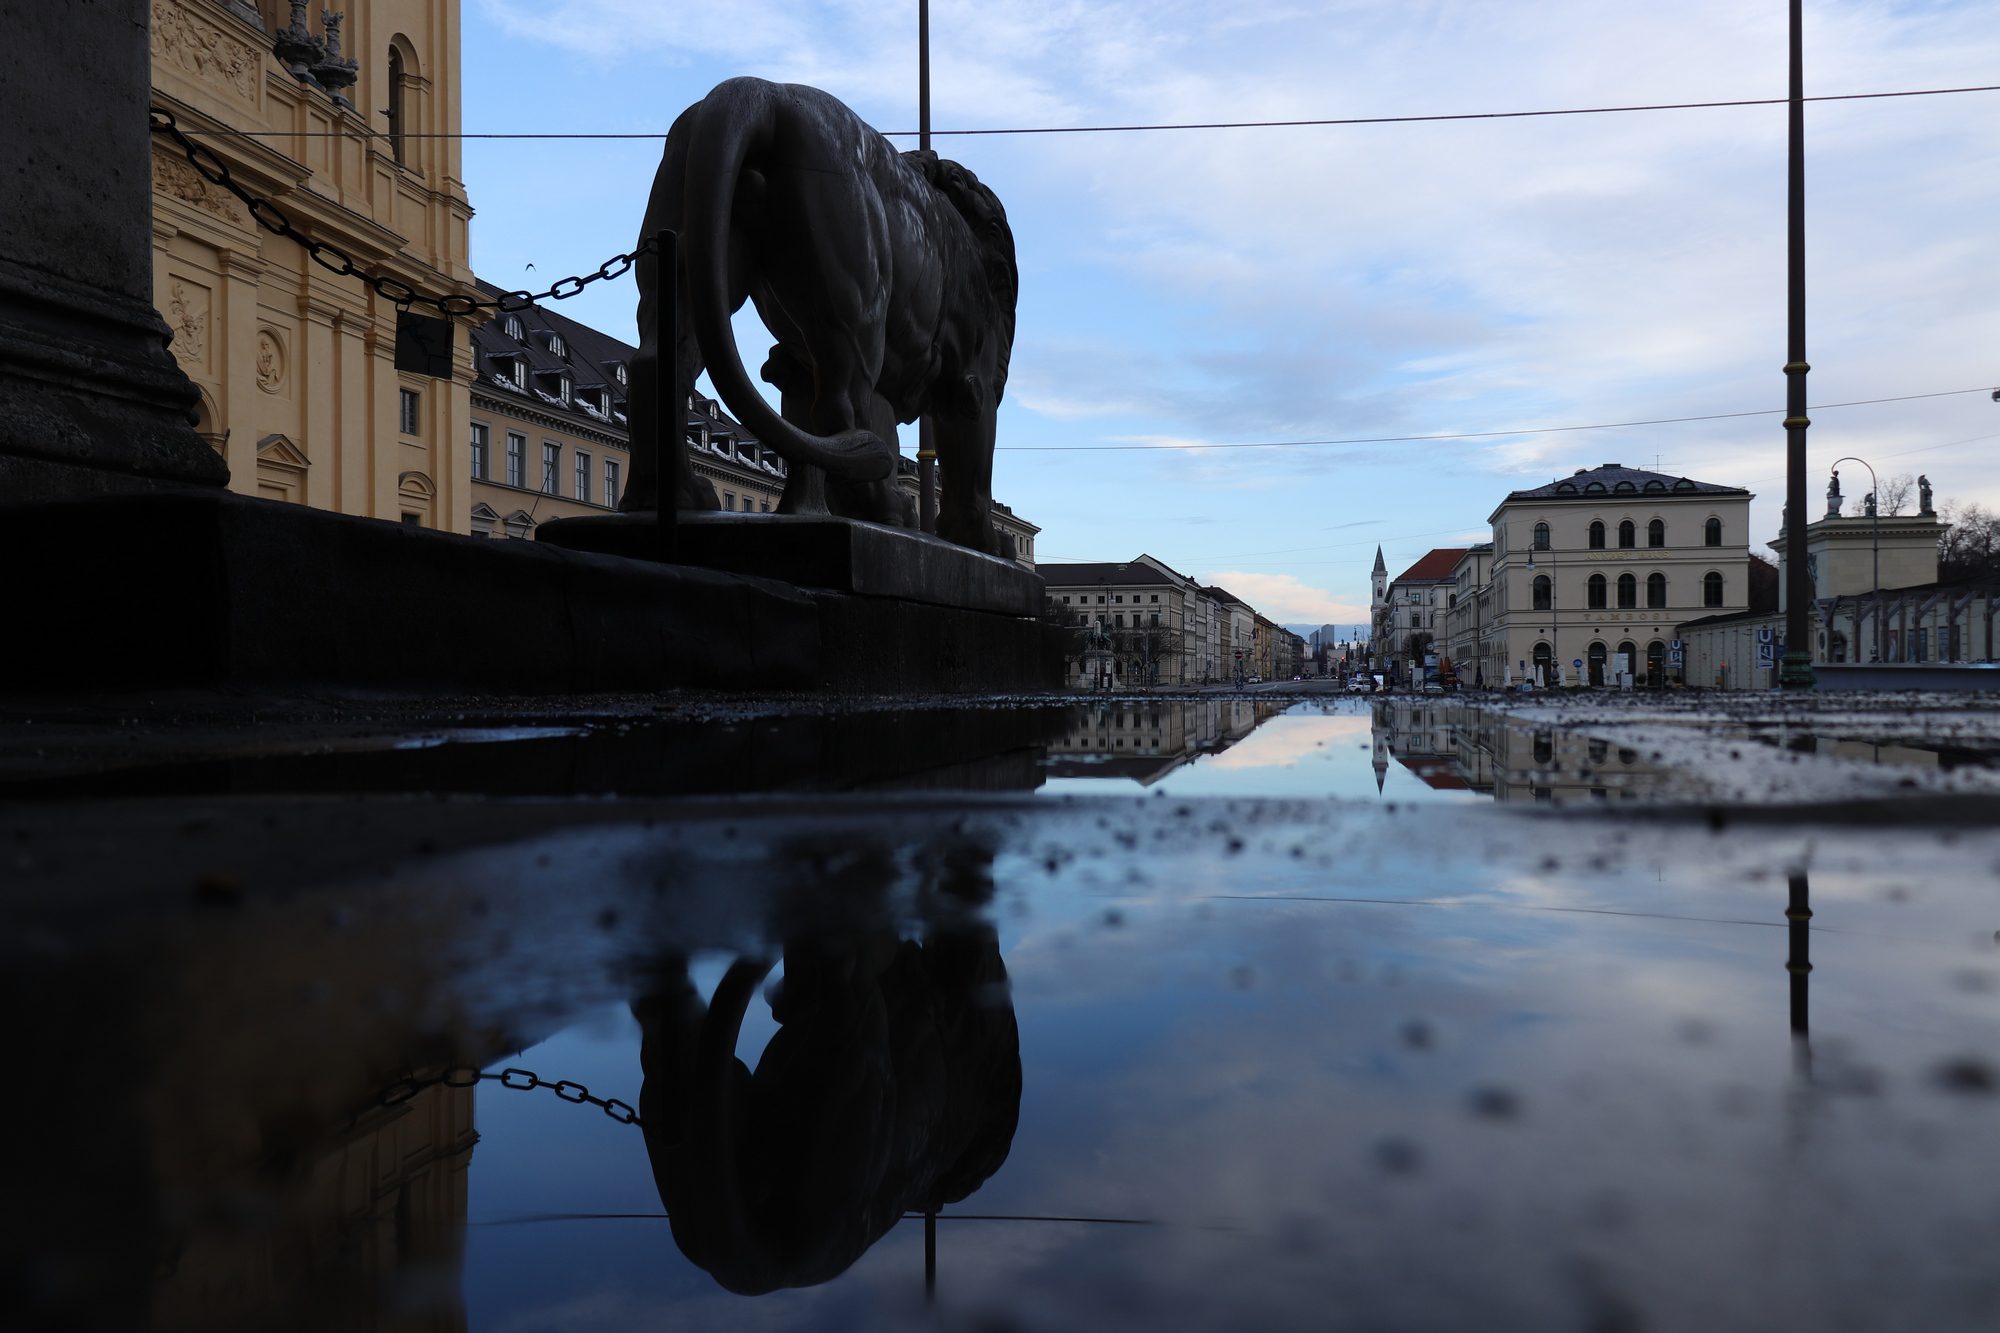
(619, 371)
(514, 329)
(554, 342)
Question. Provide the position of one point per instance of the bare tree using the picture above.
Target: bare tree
(1969, 550)
(1895, 494)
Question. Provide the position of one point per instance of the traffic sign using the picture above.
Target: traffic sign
(1577, 662)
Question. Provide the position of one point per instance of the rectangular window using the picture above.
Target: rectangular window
(517, 459)
(582, 475)
(729, 499)
(1923, 643)
(551, 462)
(610, 481)
(412, 410)
(479, 438)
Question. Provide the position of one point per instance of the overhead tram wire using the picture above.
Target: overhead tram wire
(1471, 434)
(1319, 122)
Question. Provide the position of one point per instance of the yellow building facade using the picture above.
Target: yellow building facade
(301, 388)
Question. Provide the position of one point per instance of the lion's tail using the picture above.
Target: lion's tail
(731, 123)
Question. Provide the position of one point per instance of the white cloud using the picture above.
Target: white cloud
(1233, 285)
(1288, 599)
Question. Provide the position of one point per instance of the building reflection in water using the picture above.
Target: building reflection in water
(892, 1086)
(1453, 745)
(1143, 741)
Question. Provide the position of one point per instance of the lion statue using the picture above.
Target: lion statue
(887, 279)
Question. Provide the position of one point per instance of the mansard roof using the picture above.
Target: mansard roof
(1110, 574)
(1614, 480)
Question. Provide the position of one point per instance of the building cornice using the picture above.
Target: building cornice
(500, 404)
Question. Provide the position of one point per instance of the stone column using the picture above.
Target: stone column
(90, 400)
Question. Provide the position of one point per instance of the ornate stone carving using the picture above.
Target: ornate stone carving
(270, 361)
(187, 316)
(174, 177)
(205, 50)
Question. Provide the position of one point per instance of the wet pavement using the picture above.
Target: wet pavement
(1166, 1012)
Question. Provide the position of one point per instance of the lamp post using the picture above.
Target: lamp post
(1796, 672)
(1875, 573)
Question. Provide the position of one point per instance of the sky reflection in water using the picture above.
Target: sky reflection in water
(1548, 1094)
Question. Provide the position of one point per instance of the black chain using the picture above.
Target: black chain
(520, 1080)
(337, 261)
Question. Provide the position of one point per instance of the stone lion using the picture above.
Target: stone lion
(888, 280)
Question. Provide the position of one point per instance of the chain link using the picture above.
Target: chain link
(328, 256)
(520, 1080)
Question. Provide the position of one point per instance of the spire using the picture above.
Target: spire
(1380, 568)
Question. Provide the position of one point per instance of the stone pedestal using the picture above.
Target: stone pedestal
(90, 400)
(836, 554)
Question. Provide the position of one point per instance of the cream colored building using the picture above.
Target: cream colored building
(1607, 562)
(1468, 615)
(302, 388)
(1875, 598)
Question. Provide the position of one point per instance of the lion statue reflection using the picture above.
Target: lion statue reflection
(887, 279)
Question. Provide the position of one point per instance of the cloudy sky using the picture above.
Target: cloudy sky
(1236, 287)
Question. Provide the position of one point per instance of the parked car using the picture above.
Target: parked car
(1361, 685)
(1256, 680)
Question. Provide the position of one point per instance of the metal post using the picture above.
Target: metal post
(930, 1255)
(670, 421)
(1796, 672)
(1798, 965)
(927, 506)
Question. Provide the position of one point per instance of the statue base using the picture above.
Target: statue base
(817, 551)
(208, 589)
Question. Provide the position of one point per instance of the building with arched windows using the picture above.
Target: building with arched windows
(314, 388)
(1600, 567)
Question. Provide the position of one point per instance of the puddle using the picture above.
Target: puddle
(1151, 1064)
(1406, 749)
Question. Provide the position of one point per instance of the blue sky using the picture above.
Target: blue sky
(1236, 286)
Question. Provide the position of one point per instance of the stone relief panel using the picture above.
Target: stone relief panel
(172, 176)
(187, 315)
(270, 361)
(201, 48)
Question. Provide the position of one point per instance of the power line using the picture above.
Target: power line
(1475, 434)
(1166, 125)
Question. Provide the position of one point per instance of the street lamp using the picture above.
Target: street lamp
(1875, 520)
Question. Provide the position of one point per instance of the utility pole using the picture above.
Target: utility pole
(926, 441)
(1795, 671)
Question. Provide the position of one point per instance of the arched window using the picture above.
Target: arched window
(1711, 587)
(1656, 590)
(394, 112)
(1628, 535)
(1656, 533)
(1544, 593)
(1545, 746)
(1711, 532)
(1541, 536)
(1596, 534)
(1656, 663)
(1595, 659)
(1837, 648)
(1628, 592)
(1596, 591)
